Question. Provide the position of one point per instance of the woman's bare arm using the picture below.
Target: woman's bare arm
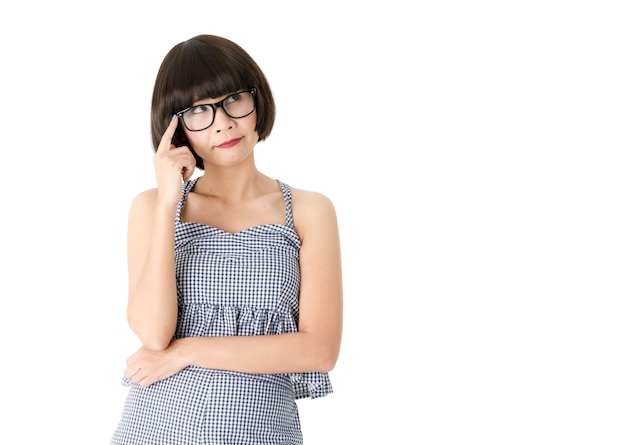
(152, 302)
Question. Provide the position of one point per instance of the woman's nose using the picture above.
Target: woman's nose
(222, 121)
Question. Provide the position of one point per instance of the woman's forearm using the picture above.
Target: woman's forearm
(271, 354)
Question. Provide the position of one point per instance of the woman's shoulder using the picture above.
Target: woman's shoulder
(310, 198)
(145, 197)
(311, 208)
(143, 203)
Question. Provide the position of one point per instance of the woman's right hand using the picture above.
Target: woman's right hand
(173, 165)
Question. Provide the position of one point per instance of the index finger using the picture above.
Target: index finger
(168, 134)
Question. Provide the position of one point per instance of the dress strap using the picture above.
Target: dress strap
(287, 195)
(187, 186)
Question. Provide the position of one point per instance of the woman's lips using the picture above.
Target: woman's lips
(229, 144)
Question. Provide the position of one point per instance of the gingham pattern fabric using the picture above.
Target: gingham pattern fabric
(246, 283)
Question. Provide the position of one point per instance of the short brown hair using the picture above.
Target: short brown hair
(207, 66)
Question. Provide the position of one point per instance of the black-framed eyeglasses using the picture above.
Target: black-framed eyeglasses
(237, 105)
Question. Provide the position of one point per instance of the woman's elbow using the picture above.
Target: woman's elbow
(328, 365)
(327, 357)
(154, 341)
(155, 344)
(150, 336)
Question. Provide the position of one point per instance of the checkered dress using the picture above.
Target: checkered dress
(246, 283)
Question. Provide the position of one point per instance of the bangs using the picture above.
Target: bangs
(208, 75)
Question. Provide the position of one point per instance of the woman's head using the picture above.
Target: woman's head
(203, 67)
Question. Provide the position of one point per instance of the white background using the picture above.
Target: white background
(475, 155)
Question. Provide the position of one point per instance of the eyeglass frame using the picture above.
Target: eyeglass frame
(217, 105)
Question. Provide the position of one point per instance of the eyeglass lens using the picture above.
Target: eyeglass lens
(236, 105)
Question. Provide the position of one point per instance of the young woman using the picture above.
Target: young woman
(235, 287)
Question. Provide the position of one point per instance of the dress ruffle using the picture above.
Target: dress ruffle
(200, 319)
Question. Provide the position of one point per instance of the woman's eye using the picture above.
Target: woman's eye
(232, 98)
(200, 109)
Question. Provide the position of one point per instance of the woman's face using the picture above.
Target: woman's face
(228, 140)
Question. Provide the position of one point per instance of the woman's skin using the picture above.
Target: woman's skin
(232, 195)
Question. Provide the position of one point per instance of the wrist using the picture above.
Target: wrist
(184, 351)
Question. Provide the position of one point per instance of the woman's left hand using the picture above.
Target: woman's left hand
(146, 367)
